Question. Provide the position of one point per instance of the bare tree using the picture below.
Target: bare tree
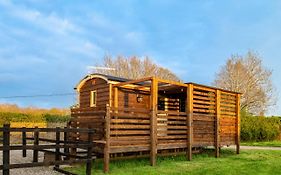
(247, 75)
(134, 68)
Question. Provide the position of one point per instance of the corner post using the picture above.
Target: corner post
(153, 121)
(189, 121)
(106, 156)
(238, 96)
(217, 124)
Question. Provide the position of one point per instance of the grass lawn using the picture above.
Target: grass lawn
(275, 143)
(248, 162)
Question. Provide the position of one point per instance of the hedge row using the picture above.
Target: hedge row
(259, 128)
(6, 117)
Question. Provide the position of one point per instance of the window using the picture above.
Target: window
(93, 99)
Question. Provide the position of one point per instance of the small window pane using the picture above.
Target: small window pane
(93, 100)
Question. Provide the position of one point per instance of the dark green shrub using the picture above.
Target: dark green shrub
(260, 128)
(56, 118)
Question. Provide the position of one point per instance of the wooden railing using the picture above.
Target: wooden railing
(47, 145)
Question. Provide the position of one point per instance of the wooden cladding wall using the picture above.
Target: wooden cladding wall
(102, 90)
(209, 107)
(204, 114)
(171, 129)
(228, 118)
(129, 130)
(128, 99)
(85, 118)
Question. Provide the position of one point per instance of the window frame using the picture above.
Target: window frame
(93, 98)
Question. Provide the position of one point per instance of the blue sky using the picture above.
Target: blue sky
(46, 45)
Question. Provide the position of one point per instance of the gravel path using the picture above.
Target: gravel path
(16, 157)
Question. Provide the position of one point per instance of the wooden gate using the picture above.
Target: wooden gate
(54, 146)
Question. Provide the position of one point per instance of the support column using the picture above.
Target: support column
(115, 99)
(189, 121)
(110, 95)
(106, 155)
(238, 96)
(217, 124)
(153, 121)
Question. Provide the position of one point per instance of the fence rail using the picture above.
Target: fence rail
(50, 146)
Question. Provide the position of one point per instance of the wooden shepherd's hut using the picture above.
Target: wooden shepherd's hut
(152, 116)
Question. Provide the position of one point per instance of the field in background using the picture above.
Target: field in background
(249, 162)
(31, 117)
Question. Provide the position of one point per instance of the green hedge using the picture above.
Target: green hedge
(56, 118)
(255, 128)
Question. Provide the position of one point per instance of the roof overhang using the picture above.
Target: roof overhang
(89, 77)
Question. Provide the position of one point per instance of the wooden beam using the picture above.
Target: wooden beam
(153, 121)
(136, 87)
(107, 141)
(217, 124)
(238, 96)
(189, 106)
(172, 82)
(132, 82)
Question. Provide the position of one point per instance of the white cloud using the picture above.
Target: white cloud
(50, 22)
(88, 48)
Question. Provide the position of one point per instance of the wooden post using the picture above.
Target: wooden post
(116, 99)
(89, 152)
(238, 96)
(189, 121)
(6, 151)
(217, 124)
(57, 157)
(106, 158)
(24, 142)
(153, 121)
(36, 143)
(110, 95)
(65, 138)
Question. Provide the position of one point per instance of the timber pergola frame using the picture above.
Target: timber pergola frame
(152, 85)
